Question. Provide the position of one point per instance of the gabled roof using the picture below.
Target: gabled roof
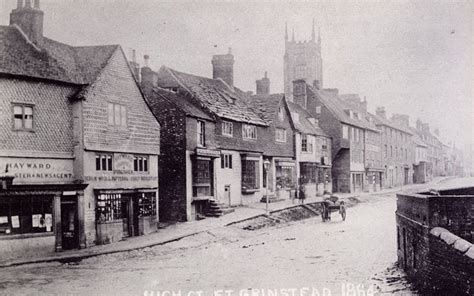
(54, 60)
(302, 124)
(218, 97)
(266, 105)
(338, 108)
(179, 101)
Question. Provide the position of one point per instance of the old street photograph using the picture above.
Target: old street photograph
(236, 147)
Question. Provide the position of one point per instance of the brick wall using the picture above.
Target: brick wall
(52, 118)
(172, 160)
(116, 84)
(437, 260)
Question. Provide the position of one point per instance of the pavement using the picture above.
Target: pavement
(178, 231)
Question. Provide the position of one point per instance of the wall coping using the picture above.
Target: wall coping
(454, 241)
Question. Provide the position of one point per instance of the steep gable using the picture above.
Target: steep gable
(115, 84)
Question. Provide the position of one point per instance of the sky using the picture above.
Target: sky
(413, 57)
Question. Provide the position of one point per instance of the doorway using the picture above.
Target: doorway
(129, 206)
(227, 194)
(69, 223)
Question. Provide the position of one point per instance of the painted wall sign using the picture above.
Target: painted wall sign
(123, 164)
(38, 170)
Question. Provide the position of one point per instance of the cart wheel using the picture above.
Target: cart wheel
(343, 213)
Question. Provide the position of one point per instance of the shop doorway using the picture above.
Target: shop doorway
(69, 223)
(129, 206)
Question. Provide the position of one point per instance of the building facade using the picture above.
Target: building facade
(80, 144)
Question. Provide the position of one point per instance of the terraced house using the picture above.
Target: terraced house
(280, 175)
(348, 129)
(229, 134)
(397, 148)
(78, 140)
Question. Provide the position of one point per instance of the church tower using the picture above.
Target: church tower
(302, 60)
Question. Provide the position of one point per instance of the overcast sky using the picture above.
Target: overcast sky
(411, 57)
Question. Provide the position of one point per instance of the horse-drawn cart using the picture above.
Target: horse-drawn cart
(332, 204)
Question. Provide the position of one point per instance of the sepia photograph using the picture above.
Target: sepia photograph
(236, 147)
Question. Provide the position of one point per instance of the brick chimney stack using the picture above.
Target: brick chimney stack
(30, 20)
(263, 85)
(223, 67)
(401, 119)
(380, 111)
(316, 84)
(148, 77)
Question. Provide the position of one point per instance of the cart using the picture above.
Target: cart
(332, 204)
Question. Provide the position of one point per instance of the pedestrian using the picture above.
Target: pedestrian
(302, 192)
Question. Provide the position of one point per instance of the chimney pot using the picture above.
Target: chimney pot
(316, 84)
(37, 4)
(19, 4)
(28, 4)
(263, 85)
(146, 57)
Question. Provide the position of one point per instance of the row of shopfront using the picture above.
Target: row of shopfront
(44, 208)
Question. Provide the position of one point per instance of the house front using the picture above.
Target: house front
(77, 145)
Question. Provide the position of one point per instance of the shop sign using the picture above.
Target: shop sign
(123, 164)
(208, 152)
(38, 170)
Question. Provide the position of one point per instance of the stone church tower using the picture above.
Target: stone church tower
(302, 60)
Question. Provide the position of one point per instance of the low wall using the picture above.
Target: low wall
(449, 266)
(26, 247)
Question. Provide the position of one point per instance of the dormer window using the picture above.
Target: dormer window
(201, 135)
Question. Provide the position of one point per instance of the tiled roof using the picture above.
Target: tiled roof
(266, 105)
(338, 107)
(302, 124)
(180, 101)
(218, 97)
(54, 60)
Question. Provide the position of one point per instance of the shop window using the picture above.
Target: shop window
(147, 204)
(227, 128)
(306, 143)
(308, 172)
(280, 135)
(103, 162)
(117, 114)
(226, 161)
(140, 164)
(109, 207)
(249, 131)
(26, 214)
(202, 178)
(22, 117)
(250, 174)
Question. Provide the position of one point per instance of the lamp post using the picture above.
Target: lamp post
(266, 167)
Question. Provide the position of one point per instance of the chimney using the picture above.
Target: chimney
(263, 85)
(401, 119)
(299, 92)
(419, 125)
(30, 20)
(135, 66)
(223, 67)
(363, 104)
(147, 77)
(316, 84)
(380, 111)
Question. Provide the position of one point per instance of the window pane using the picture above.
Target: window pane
(145, 164)
(140, 164)
(28, 117)
(104, 163)
(123, 115)
(109, 162)
(110, 111)
(97, 162)
(117, 114)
